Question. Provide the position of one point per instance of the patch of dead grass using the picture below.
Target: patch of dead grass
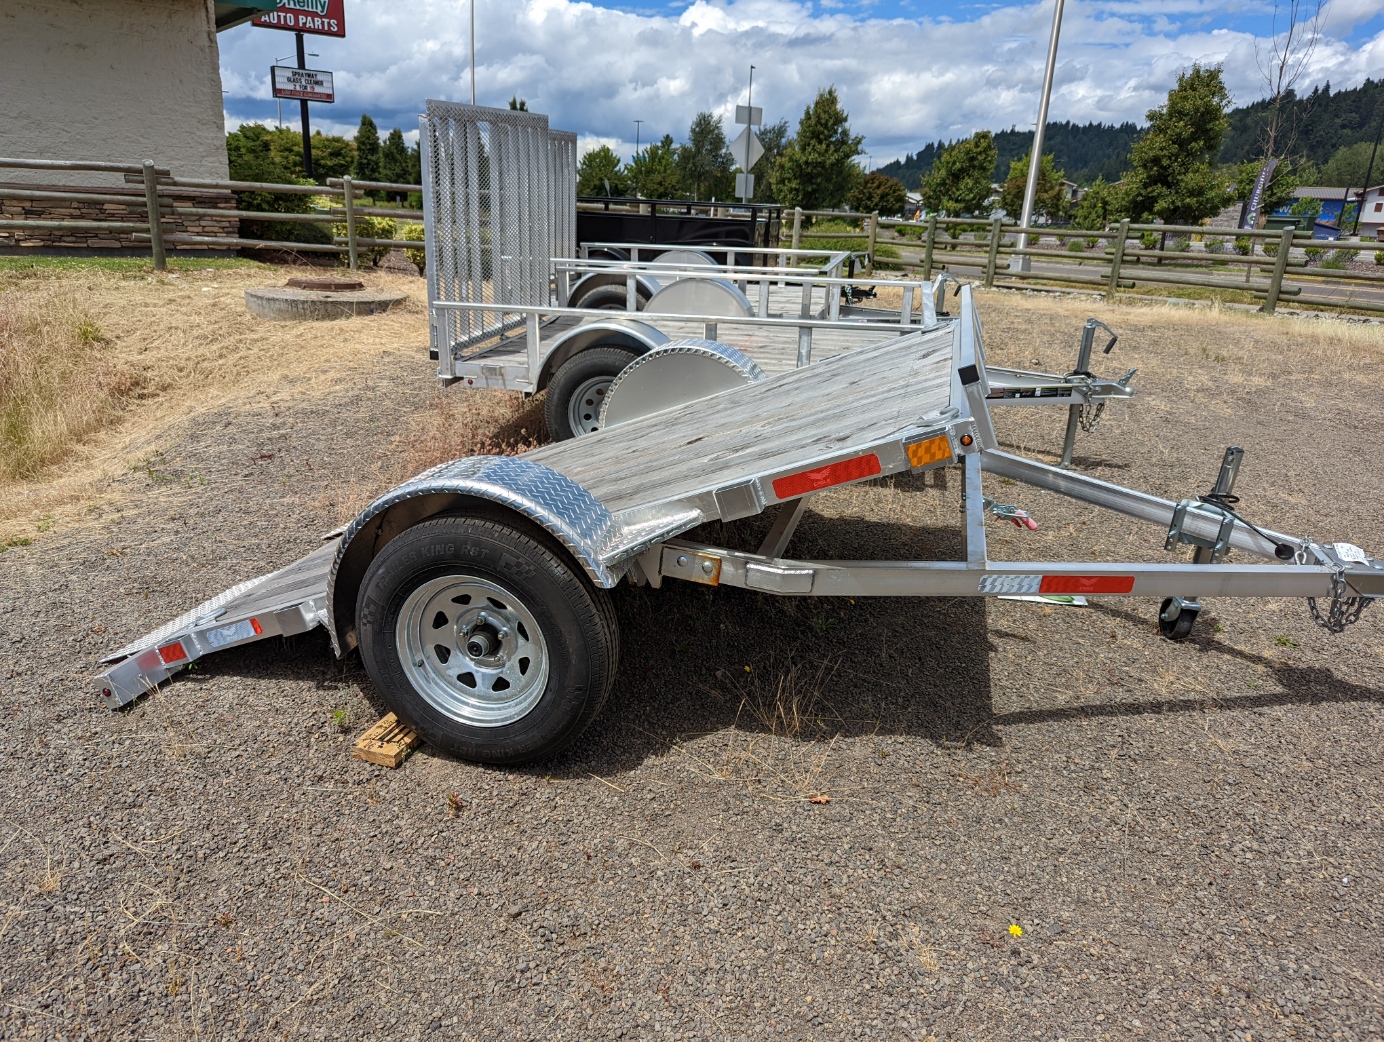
(133, 354)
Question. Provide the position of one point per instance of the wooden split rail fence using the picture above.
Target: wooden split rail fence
(987, 248)
(345, 196)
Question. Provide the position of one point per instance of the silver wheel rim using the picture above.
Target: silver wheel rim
(584, 407)
(472, 650)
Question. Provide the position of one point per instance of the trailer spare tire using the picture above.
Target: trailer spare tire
(486, 639)
(612, 298)
(579, 387)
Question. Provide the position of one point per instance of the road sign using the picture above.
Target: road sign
(746, 149)
(304, 84)
(751, 114)
(744, 186)
(320, 17)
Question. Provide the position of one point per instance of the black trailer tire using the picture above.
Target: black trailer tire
(1179, 628)
(579, 386)
(486, 639)
(611, 298)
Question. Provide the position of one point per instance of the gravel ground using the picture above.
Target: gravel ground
(797, 819)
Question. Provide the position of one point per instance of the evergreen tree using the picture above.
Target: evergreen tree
(959, 182)
(654, 171)
(518, 104)
(705, 162)
(396, 164)
(1049, 201)
(368, 151)
(1172, 179)
(817, 169)
(599, 173)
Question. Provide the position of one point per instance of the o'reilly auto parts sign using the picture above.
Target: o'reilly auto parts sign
(323, 17)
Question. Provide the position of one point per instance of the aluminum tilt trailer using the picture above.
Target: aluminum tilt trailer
(477, 592)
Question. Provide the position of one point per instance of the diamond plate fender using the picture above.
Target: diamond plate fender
(551, 500)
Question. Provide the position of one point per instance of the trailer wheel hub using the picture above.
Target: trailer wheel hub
(472, 650)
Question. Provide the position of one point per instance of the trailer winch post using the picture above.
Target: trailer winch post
(1083, 367)
(1225, 485)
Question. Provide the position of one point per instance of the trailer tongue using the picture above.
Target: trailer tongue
(476, 592)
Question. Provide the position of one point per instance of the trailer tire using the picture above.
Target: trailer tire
(578, 388)
(1179, 628)
(486, 639)
(611, 298)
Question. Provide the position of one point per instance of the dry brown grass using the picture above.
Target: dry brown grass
(99, 366)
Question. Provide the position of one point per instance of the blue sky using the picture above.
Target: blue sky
(908, 71)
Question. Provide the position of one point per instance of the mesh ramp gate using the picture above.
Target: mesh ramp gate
(497, 188)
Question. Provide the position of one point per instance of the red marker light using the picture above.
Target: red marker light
(1086, 584)
(171, 653)
(866, 466)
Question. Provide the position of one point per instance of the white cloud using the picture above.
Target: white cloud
(904, 82)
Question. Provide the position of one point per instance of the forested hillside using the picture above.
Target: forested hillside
(1320, 123)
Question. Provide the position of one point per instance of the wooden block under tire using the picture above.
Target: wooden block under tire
(387, 743)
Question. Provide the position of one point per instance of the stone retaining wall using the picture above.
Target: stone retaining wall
(79, 210)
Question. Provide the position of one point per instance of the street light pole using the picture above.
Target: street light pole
(1035, 158)
(473, 52)
(636, 137)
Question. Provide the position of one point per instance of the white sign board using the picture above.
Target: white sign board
(751, 114)
(746, 149)
(304, 84)
(744, 186)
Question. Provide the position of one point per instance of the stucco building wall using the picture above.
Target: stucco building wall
(111, 80)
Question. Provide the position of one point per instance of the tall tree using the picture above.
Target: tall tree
(518, 104)
(775, 139)
(396, 164)
(654, 171)
(817, 169)
(959, 183)
(1050, 200)
(599, 173)
(368, 151)
(1099, 205)
(1172, 179)
(705, 162)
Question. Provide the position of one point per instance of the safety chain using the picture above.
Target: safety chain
(1343, 612)
(1090, 416)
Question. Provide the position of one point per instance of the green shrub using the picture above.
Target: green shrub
(414, 233)
(1149, 240)
(1338, 260)
(1244, 245)
(1379, 256)
(1314, 253)
(1076, 246)
(1092, 242)
(1179, 244)
(1215, 245)
(1270, 248)
(369, 228)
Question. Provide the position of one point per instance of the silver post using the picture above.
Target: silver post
(1035, 158)
(1225, 485)
(1083, 365)
(473, 51)
(151, 202)
(350, 221)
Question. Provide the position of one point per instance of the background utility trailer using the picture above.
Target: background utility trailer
(500, 205)
(477, 592)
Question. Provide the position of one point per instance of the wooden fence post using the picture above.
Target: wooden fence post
(797, 228)
(874, 237)
(994, 252)
(1122, 233)
(1285, 247)
(927, 249)
(350, 221)
(151, 202)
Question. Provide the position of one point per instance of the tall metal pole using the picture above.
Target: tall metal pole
(749, 126)
(1369, 170)
(636, 137)
(473, 52)
(303, 109)
(1035, 158)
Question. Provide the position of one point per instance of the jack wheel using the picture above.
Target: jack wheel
(1179, 626)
